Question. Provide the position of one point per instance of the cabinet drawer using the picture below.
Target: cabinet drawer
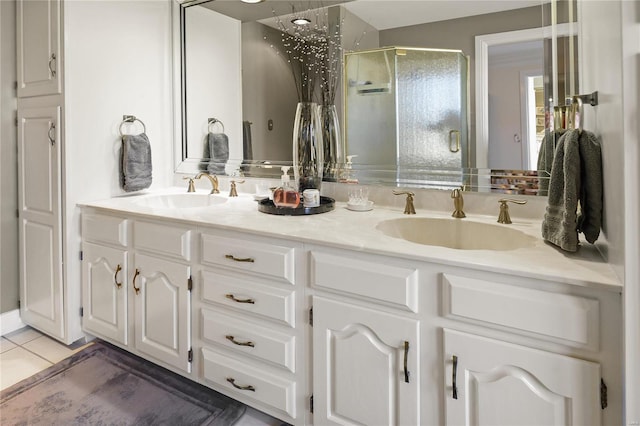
(248, 338)
(104, 229)
(397, 286)
(249, 256)
(247, 296)
(273, 390)
(162, 239)
(567, 319)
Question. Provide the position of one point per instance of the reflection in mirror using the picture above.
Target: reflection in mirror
(231, 70)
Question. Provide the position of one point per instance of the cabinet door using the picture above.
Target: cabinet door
(41, 292)
(162, 310)
(502, 383)
(359, 366)
(38, 47)
(104, 292)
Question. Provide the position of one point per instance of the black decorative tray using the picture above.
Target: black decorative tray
(326, 205)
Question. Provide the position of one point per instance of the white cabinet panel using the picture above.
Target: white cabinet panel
(162, 310)
(249, 256)
(241, 293)
(571, 320)
(248, 338)
(359, 370)
(372, 279)
(39, 199)
(105, 292)
(38, 47)
(105, 229)
(492, 382)
(250, 380)
(172, 241)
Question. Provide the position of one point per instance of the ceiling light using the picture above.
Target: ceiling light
(252, 1)
(301, 21)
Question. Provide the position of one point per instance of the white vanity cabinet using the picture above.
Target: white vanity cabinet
(161, 290)
(38, 47)
(136, 287)
(494, 382)
(249, 331)
(366, 340)
(105, 275)
(525, 351)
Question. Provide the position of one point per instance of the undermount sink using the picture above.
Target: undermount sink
(181, 201)
(459, 234)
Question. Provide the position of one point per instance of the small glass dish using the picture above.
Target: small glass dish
(360, 207)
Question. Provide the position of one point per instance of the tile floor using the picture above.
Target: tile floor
(26, 352)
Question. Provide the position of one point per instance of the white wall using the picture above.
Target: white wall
(8, 161)
(610, 51)
(117, 58)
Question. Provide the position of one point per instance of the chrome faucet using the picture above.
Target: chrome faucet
(458, 204)
(213, 179)
(504, 217)
(408, 207)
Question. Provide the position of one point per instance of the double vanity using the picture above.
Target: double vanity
(357, 317)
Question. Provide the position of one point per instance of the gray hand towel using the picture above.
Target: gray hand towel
(590, 216)
(136, 162)
(218, 144)
(545, 158)
(576, 179)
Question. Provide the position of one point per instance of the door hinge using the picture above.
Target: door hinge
(311, 404)
(190, 283)
(311, 316)
(81, 255)
(18, 303)
(190, 355)
(81, 312)
(603, 394)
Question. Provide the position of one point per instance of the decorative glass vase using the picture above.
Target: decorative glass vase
(308, 154)
(331, 140)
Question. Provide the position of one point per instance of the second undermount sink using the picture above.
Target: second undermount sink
(456, 233)
(181, 201)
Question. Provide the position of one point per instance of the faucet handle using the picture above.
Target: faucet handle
(504, 216)
(192, 186)
(409, 208)
(233, 192)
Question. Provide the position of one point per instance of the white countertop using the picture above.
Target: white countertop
(347, 229)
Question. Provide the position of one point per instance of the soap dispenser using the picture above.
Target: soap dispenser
(286, 195)
(348, 173)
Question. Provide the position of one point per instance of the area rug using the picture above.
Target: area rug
(104, 385)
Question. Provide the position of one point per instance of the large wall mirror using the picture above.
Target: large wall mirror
(234, 78)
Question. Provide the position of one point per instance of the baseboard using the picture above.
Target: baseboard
(10, 321)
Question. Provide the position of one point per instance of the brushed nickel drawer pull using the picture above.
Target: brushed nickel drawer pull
(233, 383)
(232, 297)
(235, 342)
(51, 134)
(238, 259)
(52, 59)
(115, 276)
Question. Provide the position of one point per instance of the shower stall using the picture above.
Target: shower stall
(406, 114)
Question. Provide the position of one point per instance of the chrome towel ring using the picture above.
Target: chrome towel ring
(131, 119)
(213, 121)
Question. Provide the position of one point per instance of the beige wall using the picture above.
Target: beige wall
(8, 160)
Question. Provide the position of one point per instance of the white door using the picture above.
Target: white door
(38, 47)
(39, 169)
(496, 383)
(104, 292)
(359, 372)
(162, 310)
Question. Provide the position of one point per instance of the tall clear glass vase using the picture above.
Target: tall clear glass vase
(308, 154)
(331, 140)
